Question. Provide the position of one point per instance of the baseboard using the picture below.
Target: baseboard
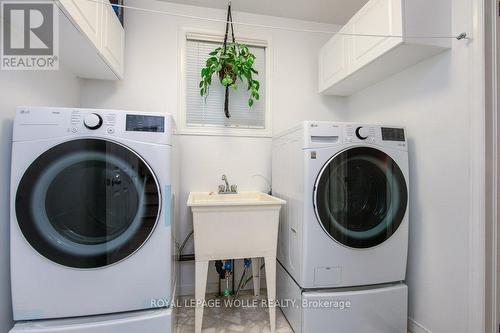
(415, 327)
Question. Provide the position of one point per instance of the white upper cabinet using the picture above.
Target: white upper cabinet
(360, 60)
(334, 64)
(380, 17)
(87, 15)
(92, 39)
(113, 39)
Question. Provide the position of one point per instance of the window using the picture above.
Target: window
(206, 115)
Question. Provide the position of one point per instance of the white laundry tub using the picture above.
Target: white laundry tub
(235, 226)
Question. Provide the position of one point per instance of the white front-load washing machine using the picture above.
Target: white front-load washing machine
(91, 212)
(346, 222)
(343, 237)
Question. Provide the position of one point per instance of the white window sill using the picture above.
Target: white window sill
(219, 131)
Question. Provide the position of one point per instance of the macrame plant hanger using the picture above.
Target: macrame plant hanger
(229, 22)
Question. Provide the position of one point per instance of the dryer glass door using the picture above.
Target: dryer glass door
(87, 203)
(360, 197)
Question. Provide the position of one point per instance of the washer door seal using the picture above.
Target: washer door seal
(360, 197)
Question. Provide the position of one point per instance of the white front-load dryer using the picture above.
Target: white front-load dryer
(91, 212)
(346, 221)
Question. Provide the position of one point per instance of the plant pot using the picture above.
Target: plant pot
(227, 69)
(222, 73)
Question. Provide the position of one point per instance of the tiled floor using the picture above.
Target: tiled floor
(235, 319)
(249, 316)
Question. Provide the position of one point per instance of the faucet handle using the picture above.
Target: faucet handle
(234, 188)
(222, 189)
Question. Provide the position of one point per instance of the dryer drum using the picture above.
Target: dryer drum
(361, 197)
(87, 203)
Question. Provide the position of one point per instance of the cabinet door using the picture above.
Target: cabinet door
(113, 41)
(333, 61)
(87, 16)
(377, 17)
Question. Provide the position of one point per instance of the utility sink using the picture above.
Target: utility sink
(209, 199)
(235, 226)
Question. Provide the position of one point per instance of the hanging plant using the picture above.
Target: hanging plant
(232, 62)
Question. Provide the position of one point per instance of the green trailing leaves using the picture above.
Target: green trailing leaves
(236, 63)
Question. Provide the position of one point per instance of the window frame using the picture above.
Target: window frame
(214, 36)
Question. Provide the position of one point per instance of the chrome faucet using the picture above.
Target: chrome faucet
(226, 189)
(224, 178)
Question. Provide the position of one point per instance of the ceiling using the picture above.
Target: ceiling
(326, 11)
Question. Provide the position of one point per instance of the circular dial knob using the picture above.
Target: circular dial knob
(362, 133)
(92, 121)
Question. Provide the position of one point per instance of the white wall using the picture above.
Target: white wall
(32, 88)
(152, 83)
(432, 99)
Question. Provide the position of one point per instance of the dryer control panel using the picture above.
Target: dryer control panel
(142, 123)
(32, 123)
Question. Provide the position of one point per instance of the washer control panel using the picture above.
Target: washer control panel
(318, 134)
(362, 133)
(355, 133)
(393, 134)
(377, 135)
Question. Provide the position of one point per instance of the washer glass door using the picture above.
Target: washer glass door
(87, 203)
(360, 197)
